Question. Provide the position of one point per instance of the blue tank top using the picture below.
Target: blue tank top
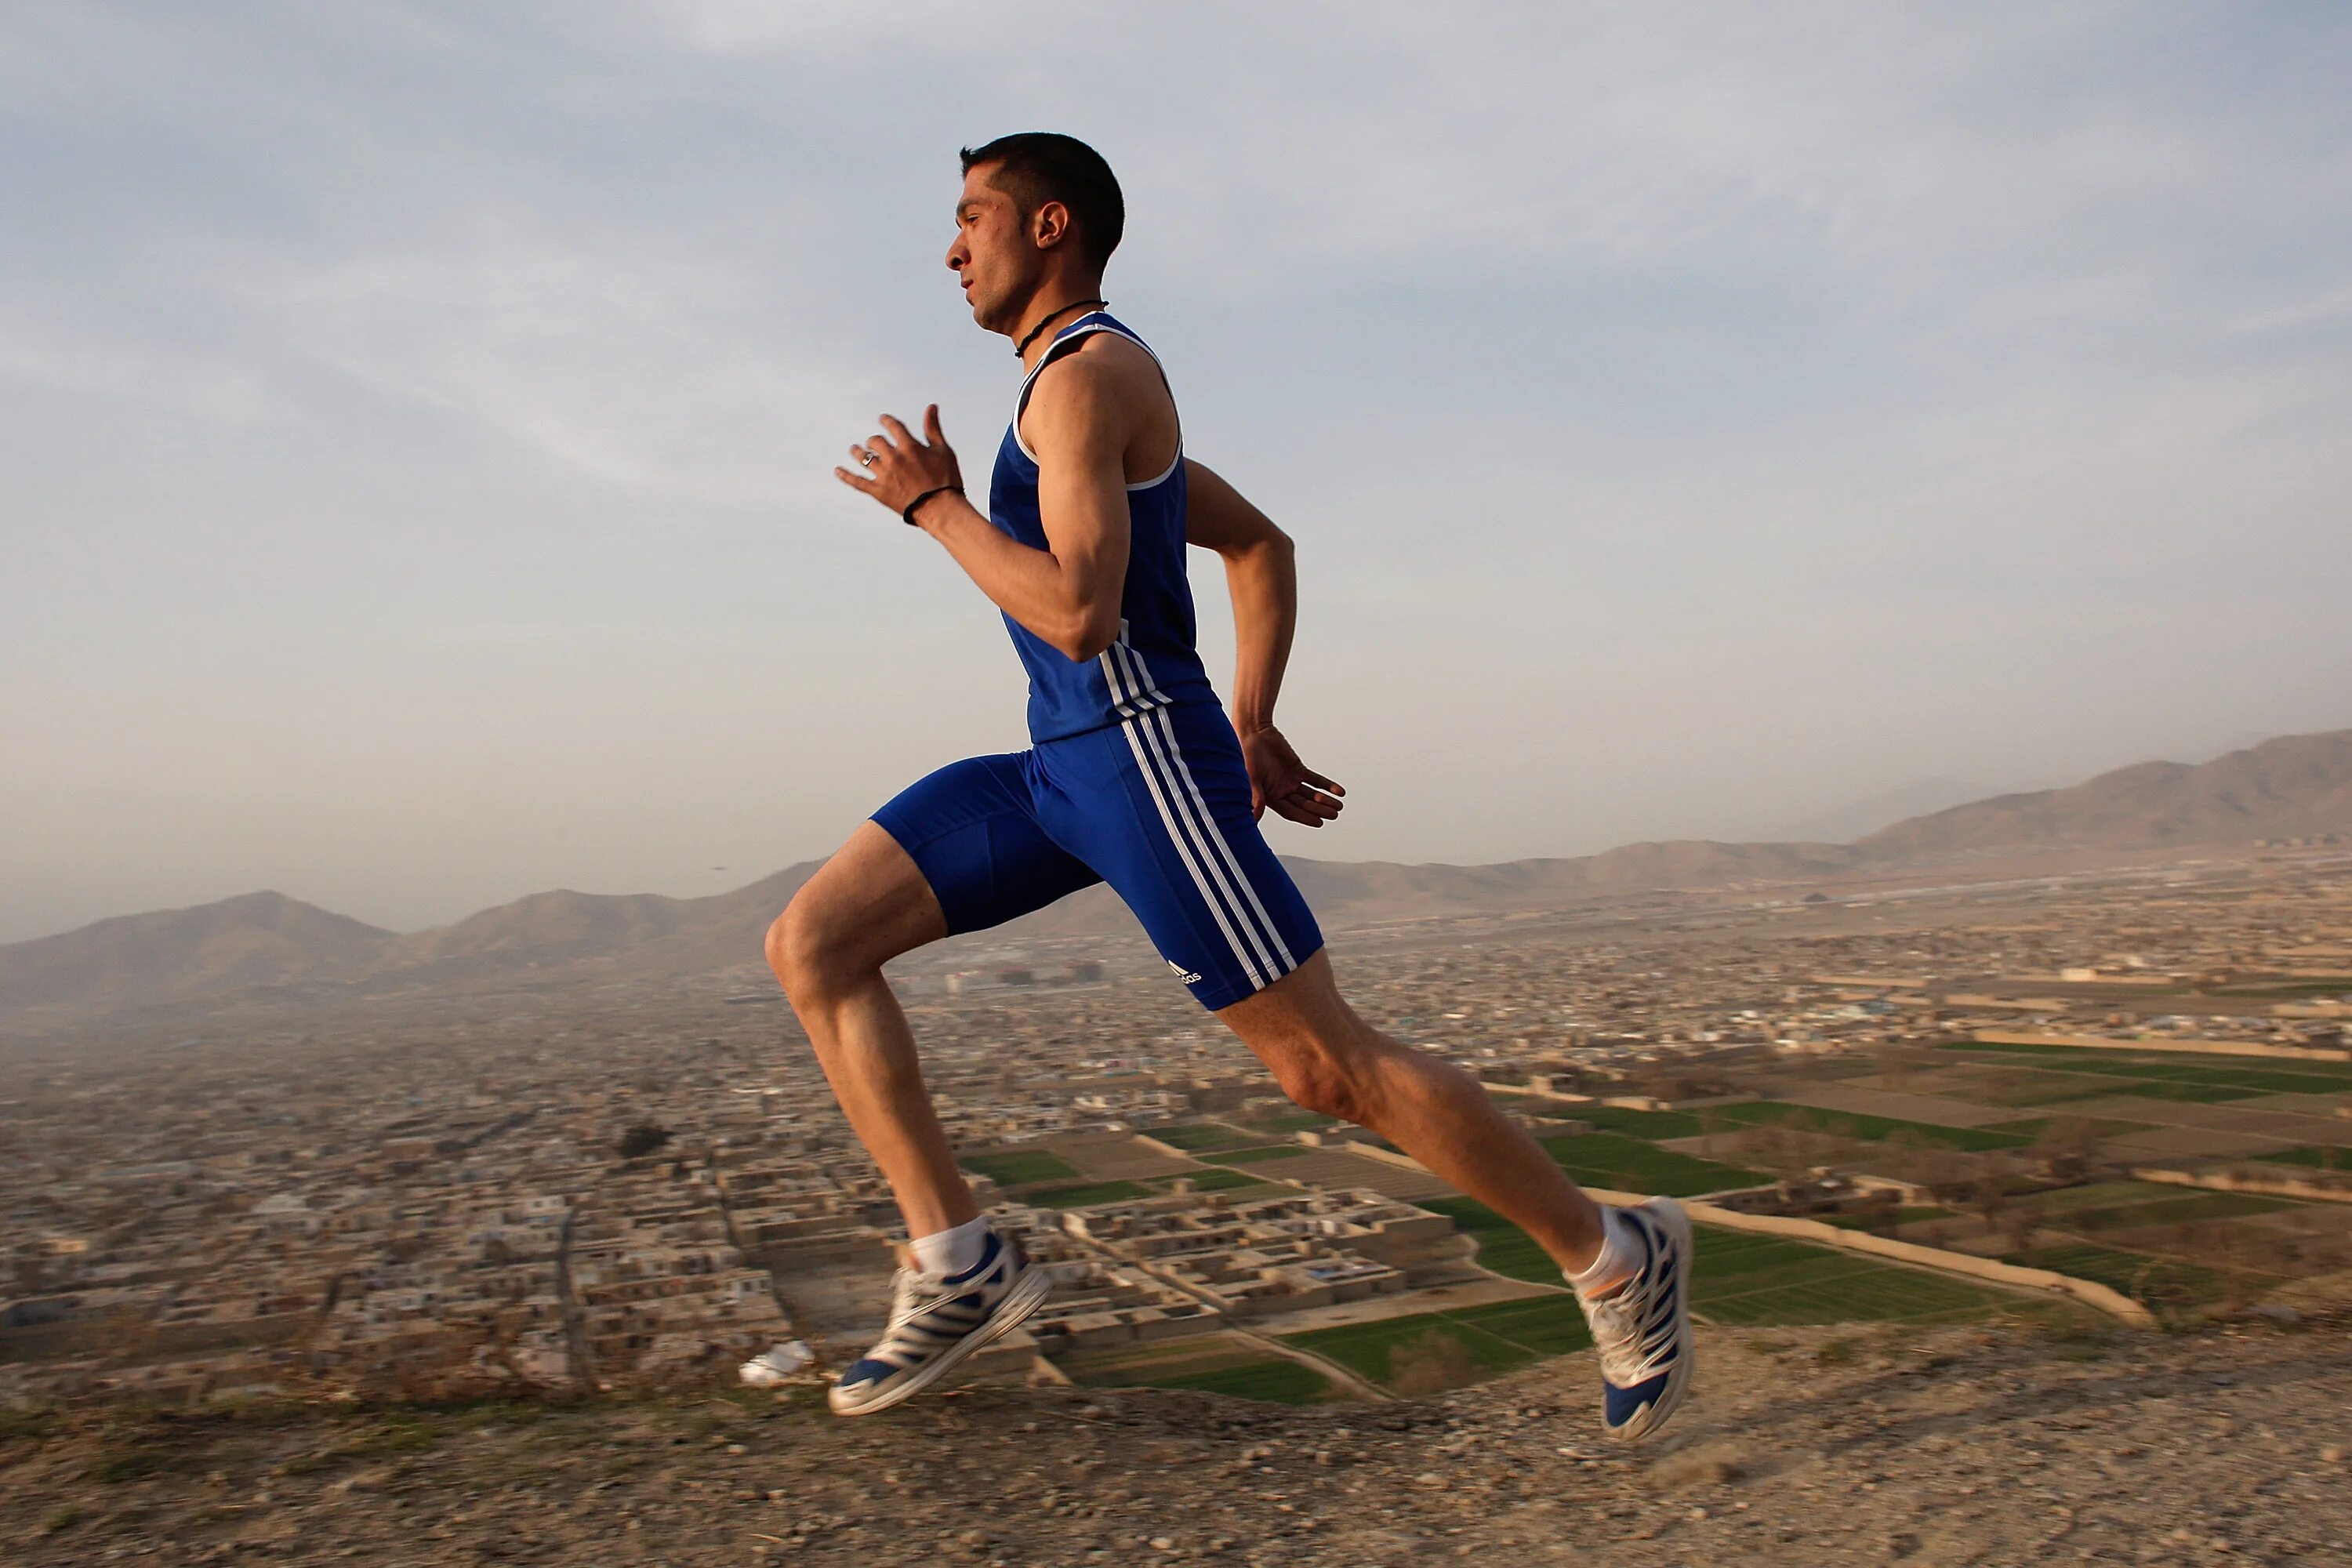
(1153, 663)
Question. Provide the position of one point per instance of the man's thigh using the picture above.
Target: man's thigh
(1302, 1009)
(1160, 806)
(868, 903)
(971, 832)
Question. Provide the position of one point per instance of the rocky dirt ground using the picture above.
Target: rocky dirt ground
(1987, 1445)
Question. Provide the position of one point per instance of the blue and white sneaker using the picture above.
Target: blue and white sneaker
(1640, 1331)
(936, 1321)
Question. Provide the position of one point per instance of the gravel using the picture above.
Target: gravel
(1936, 1447)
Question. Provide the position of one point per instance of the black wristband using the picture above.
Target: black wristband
(908, 511)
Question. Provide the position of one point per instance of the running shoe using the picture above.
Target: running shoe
(1641, 1329)
(936, 1321)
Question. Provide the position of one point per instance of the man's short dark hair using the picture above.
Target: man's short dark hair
(1035, 167)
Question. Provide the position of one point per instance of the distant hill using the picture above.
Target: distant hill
(1856, 819)
(1352, 891)
(2289, 787)
(2296, 785)
(237, 944)
(548, 930)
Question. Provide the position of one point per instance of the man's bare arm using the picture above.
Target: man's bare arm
(1261, 576)
(1068, 593)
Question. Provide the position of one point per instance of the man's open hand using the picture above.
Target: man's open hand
(894, 468)
(1279, 779)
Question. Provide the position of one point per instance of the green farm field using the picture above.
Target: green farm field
(2035, 1126)
(1292, 1122)
(2317, 1157)
(1872, 1129)
(1257, 1156)
(1758, 1279)
(1909, 1214)
(1194, 1136)
(1503, 1248)
(1018, 1167)
(2163, 1283)
(1495, 1338)
(1743, 1277)
(1086, 1195)
(1650, 1125)
(2174, 1207)
(1214, 1179)
(2177, 1075)
(1623, 1163)
(1275, 1379)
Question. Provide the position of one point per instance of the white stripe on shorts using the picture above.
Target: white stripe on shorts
(1186, 837)
(1162, 794)
(1154, 721)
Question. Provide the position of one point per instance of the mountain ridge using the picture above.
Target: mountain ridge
(2289, 786)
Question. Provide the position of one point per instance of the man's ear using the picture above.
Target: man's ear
(1051, 225)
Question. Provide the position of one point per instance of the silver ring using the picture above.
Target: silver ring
(868, 461)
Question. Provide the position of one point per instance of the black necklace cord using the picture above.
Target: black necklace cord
(1022, 346)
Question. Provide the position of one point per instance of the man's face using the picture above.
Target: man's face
(994, 253)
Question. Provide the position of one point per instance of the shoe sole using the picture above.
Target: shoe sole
(1668, 1214)
(1028, 1294)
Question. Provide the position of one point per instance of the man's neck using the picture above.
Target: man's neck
(1052, 309)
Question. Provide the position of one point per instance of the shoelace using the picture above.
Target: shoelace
(1631, 1351)
(913, 1294)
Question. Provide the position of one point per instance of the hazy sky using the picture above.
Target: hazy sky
(417, 418)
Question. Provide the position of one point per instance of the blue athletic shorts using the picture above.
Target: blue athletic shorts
(1157, 805)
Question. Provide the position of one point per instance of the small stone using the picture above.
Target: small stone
(1430, 1480)
(2331, 1454)
(1163, 1543)
(737, 1448)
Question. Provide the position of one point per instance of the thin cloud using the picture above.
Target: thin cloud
(1704, 416)
(640, 363)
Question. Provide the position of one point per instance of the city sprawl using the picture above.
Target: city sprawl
(2126, 1092)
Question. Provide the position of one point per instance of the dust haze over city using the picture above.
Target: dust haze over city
(1821, 547)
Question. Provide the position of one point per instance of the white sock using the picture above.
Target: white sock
(951, 1251)
(1620, 1258)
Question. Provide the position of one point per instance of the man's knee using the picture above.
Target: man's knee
(805, 947)
(1324, 1056)
(1330, 1083)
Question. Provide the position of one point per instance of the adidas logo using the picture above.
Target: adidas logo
(1182, 973)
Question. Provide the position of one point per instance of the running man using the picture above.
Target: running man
(1137, 778)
